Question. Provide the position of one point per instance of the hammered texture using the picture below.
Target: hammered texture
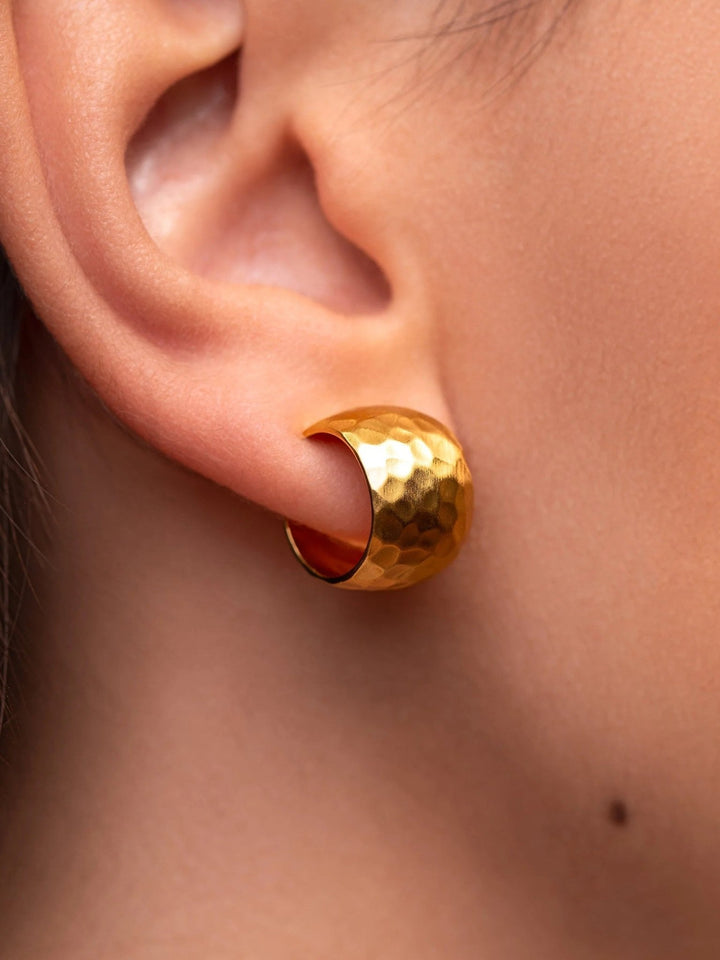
(421, 493)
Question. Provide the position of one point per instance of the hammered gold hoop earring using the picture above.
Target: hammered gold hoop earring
(421, 498)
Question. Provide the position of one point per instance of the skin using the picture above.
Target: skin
(215, 755)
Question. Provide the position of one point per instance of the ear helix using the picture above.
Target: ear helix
(421, 499)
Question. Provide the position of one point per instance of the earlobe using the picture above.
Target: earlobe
(187, 266)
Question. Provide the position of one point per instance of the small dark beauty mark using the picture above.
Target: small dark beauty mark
(617, 813)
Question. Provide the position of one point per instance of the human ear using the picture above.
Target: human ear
(175, 206)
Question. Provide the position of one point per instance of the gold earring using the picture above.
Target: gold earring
(421, 497)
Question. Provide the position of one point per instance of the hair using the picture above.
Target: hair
(19, 475)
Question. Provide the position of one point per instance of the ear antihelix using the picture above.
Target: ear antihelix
(421, 497)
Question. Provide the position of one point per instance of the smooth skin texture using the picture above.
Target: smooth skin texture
(217, 756)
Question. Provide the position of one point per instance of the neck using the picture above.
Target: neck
(215, 755)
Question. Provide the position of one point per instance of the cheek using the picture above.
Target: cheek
(571, 237)
(574, 258)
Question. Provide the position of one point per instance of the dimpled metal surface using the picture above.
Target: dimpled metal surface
(421, 495)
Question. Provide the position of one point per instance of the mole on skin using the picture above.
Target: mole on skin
(617, 813)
